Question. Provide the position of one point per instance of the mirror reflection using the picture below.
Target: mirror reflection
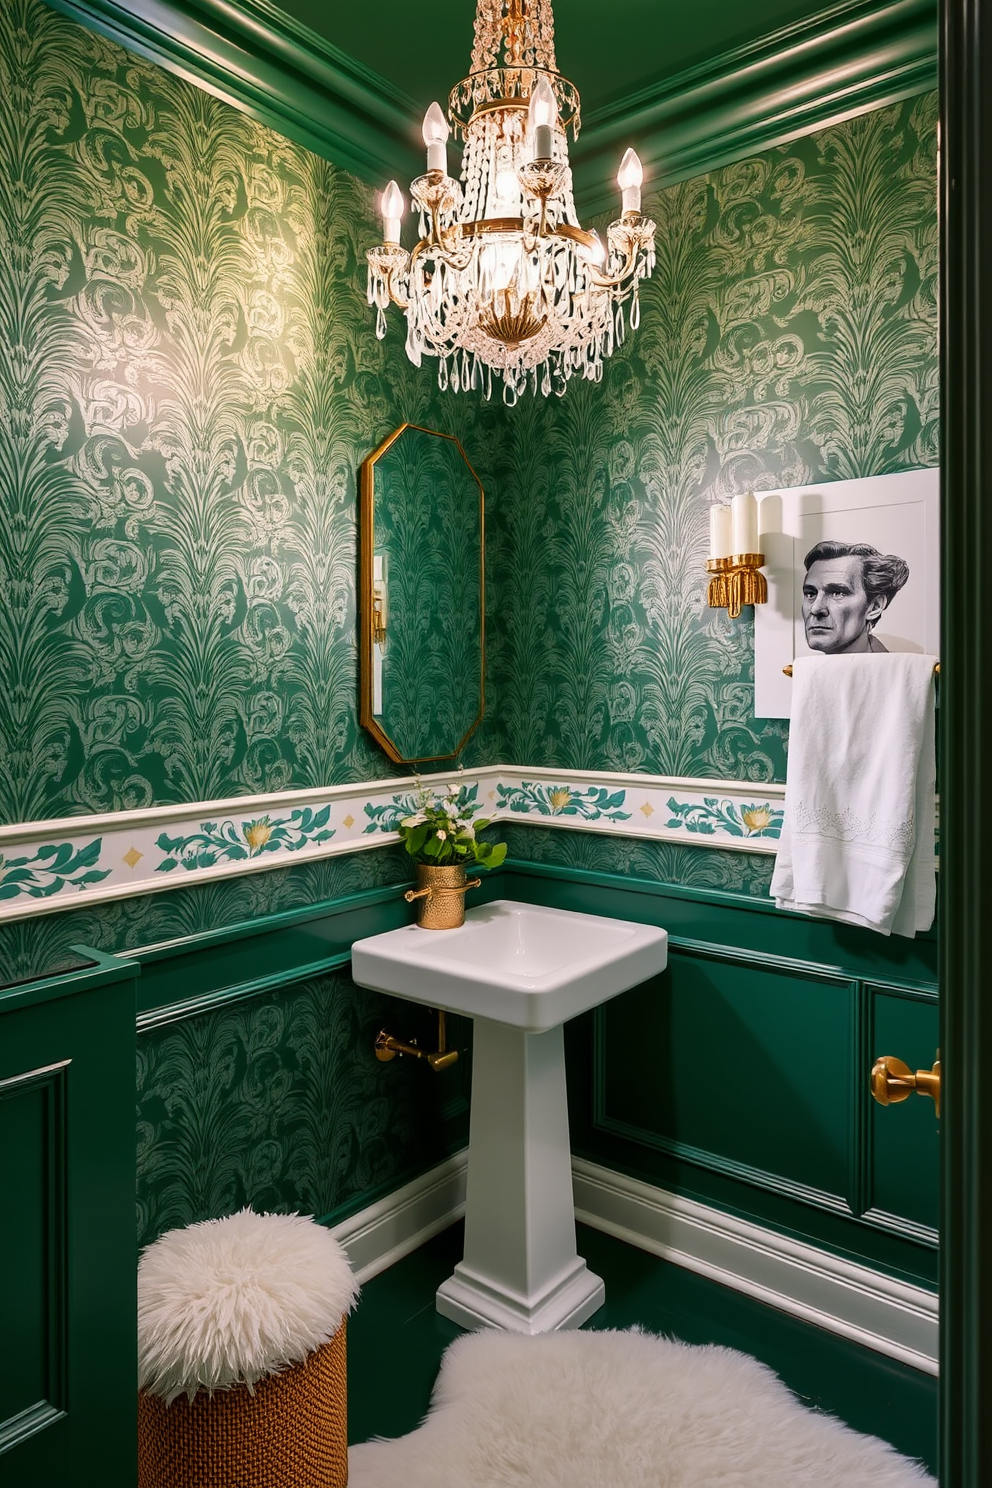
(422, 639)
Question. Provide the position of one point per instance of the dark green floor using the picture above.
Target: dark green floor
(396, 1339)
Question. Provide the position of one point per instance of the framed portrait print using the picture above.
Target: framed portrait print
(851, 566)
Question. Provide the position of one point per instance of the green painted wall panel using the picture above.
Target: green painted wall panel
(708, 1063)
(29, 1238)
(67, 1254)
(905, 1139)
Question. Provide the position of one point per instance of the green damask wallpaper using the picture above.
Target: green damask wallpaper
(190, 384)
(279, 1102)
(665, 862)
(789, 334)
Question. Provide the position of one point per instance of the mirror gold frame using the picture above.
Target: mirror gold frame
(366, 607)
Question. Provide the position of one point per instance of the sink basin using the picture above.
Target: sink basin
(519, 964)
(519, 971)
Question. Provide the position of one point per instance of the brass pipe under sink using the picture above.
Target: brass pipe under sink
(387, 1047)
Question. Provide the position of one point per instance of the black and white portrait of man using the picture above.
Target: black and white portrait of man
(831, 596)
(846, 589)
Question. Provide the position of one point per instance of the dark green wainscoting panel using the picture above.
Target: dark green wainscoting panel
(67, 1252)
(904, 1170)
(740, 1076)
(738, 1029)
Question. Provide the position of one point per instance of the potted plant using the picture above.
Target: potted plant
(442, 840)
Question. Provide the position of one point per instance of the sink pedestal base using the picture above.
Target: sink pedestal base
(520, 1270)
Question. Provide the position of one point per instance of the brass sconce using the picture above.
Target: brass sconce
(378, 620)
(734, 560)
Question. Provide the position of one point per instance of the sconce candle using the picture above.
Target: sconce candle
(744, 509)
(721, 533)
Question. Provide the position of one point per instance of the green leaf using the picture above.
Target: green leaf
(58, 852)
(417, 838)
(46, 891)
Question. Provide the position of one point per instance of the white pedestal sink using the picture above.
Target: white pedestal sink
(519, 970)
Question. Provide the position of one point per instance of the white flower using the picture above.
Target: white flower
(413, 821)
(441, 836)
(466, 829)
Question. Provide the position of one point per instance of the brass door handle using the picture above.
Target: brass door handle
(893, 1081)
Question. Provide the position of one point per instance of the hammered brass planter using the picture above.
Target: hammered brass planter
(440, 896)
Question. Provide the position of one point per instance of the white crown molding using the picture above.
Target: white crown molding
(46, 866)
(891, 1317)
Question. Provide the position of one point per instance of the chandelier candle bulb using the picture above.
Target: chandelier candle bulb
(391, 206)
(629, 179)
(542, 116)
(721, 535)
(744, 517)
(436, 133)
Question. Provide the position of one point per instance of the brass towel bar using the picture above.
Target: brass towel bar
(788, 670)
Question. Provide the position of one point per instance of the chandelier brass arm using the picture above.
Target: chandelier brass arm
(395, 298)
(643, 229)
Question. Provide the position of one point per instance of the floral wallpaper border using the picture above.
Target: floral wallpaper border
(45, 866)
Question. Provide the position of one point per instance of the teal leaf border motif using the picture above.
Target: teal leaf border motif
(228, 843)
(53, 867)
(712, 816)
(595, 803)
(387, 816)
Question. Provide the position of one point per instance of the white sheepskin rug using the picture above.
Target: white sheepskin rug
(231, 1300)
(620, 1410)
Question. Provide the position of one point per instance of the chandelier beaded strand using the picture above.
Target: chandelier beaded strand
(504, 279)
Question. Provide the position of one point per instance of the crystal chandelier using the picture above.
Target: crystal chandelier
(504, 278)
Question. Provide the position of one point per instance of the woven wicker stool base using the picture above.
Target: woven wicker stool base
(291, 1433)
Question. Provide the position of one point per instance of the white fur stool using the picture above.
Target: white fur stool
(241, 1355)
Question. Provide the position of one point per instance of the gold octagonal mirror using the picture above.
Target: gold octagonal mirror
(421, 596)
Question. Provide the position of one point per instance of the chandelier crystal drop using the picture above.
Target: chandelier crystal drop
(504, 279)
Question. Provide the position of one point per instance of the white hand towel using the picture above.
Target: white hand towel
(857, 838)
